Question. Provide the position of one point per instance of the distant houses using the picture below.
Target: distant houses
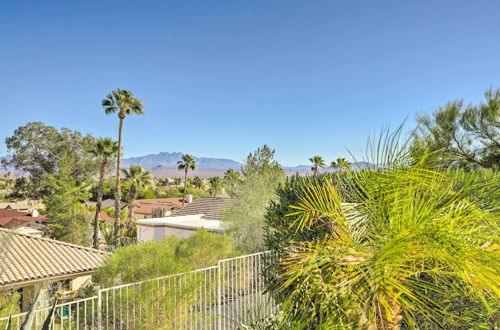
(10, 218)
(205, 212)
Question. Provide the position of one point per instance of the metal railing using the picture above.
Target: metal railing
(219, 297)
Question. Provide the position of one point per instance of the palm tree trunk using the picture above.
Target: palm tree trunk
(98, 205)
(118, 191)
(185, 181)
(130, 216)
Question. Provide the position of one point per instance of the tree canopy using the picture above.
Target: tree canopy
(36, 149)
(463, 136)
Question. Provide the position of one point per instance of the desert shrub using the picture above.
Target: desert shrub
(170, 256)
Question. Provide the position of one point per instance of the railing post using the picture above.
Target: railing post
(219, 295)
(99, 309)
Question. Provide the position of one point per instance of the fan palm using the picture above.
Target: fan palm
(215, 185)
(138, 178)
(411, 244)
(187, 163)
(318, 162)
(334, 165)
(343, 164)
(197, 182)
(104, 149)
(123, 103)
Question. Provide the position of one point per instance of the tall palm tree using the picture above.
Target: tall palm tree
(215, 185)
(187, 163)
(318, 162)
(139, 179)
(105, 149)
(123, 103)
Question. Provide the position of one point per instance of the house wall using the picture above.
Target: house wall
(145, 234)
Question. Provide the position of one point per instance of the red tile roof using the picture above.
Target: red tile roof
(102, 216)
(146, 206)
(11, 218)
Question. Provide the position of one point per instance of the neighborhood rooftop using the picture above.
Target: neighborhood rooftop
(29, 259)
(210, 207)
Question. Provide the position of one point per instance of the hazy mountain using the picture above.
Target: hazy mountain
(170, 159)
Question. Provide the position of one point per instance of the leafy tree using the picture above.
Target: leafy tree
(415, 247)
(215, 185)
(231, 178)
(197, 182)
(138, 178)
(105, 150)
(177, 181)
(65, 213)
(243, 219)
(187, 163)
(317, 162)
(463, 136)
(22, 188)
(37, 148)
(123, 103)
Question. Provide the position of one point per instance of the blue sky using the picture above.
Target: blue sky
(220, 78)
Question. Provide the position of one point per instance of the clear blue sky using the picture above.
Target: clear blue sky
(220, 78)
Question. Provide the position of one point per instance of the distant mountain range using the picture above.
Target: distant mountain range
(164, 164)
(170, 159)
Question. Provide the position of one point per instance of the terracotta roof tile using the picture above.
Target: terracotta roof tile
(28, 258)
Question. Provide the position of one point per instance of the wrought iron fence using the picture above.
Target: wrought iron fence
(218, 297)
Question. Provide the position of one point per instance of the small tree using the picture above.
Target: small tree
(215, 185)
(187, 163)
(138, 178)
(197, 182)
(231, 178)
(244, 218)
(317, 162)
(65, 213)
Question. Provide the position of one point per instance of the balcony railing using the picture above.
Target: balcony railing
(219, 297)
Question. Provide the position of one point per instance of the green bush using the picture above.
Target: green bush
(142, 261)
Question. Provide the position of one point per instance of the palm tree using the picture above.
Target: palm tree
(215, 185)
(187, 163)
(409, 248)
(317, 162)
(139, 179)
(231, 178)
(123, 103)
(197, 182)
(334, 165)
(177, 181)
(343, 164)
(104, 149)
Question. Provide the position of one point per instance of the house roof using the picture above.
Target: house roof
(210, 207)
(28, 204)
(102, 216)
(27, 258)
(13, 218)
(146, 206)
(111, 203)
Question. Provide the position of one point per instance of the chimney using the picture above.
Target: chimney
(34, 213)
(189, 199)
